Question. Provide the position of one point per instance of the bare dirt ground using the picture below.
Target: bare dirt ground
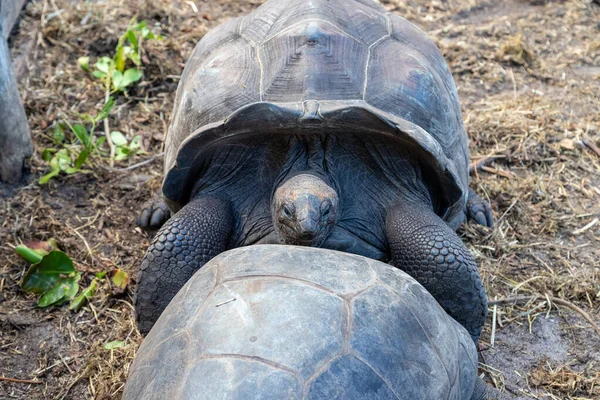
(528, 73)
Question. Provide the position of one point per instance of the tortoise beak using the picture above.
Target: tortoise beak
(307, 230)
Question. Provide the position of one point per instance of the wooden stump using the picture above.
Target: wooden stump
(15, 141)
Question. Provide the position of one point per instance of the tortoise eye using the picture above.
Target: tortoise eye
(288, 211)
(325, 208)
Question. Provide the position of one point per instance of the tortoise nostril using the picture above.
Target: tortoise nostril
(307, 229)
(307, 235)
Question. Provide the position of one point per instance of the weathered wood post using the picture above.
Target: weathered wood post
(15, 141)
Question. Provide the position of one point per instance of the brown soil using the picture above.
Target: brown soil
(528, 74)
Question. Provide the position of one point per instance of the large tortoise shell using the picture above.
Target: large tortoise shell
(294, 322)
(297, 65)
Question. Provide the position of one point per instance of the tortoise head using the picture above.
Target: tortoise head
(304, 210)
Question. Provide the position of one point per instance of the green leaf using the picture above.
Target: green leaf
(120, 58)
(54, 295)
(84, 63)
(118, 138)
(121, 153)
(115, 344)
(99, 74)
(58, 133)
(65, 289)
(47, 154)
(135, 143)
(130, 35)
(84, 296)
(28, 254)
(81, 158)
(82, 134)
(108, 106)
(120, 278)
(46, 178)
(140, 25)
(74, 286)
(130, 76)
(43, 275)
(58, 292)
(101, 275)
(117, 80)
(105, 64)
(54, 163)
(34, 250)
(135, 58)
(64, 160)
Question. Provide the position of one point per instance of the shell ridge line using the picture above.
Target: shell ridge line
(246, 358)
(366, 73)
(283, 277)
(388, 23)
(358, 356)
(320, 370)
(240, 305)
(437, 353)
(313, 19)
(203, 305)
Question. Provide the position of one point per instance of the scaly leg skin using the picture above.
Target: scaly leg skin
(482, 391)
(197, 233)
(479, 210)
(422, 245)
(154, 214)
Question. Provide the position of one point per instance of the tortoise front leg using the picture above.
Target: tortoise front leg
(197, 233)
(422, 245)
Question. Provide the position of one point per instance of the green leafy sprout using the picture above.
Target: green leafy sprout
(71, 157)
(124, 68)
(53, 276)
(116, 73)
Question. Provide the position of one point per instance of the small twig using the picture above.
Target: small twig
(15, 380)
(585, 228)
(506, 174)
(111, 145)
(508, 209)
(226, 302)
(494, 319)
(519, 299)
(477, 165)
(140, 164)
(592, 146)
(89, 249)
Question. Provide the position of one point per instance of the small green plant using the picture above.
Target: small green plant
(116, 73)
(87, 293)
(123, 147)
(124, 67)
(71, 156)
(53, 276)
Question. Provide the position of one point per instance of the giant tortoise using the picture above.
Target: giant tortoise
(324, 123)
(277, 322)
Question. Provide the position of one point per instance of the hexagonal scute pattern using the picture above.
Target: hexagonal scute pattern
(272, 319)
(239, 379)
(287, 322)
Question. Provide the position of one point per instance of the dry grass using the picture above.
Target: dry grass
(529, 81)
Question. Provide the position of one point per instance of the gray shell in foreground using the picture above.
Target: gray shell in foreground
(286, 322)
(297, 66)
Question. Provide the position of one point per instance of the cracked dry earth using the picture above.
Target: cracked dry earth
(528, 74)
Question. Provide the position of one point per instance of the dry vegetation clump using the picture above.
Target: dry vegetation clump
(528, 74)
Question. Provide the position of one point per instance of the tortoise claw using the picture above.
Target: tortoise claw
(479, 210)
(154, 214)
